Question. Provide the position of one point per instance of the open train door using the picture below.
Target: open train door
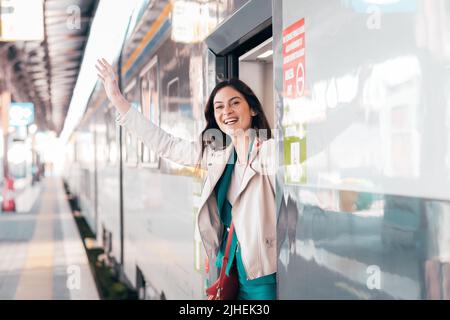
(242, 47)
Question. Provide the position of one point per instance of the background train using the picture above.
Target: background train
(358, 93)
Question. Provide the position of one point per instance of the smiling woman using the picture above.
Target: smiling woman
(234, 109)
(236, 199)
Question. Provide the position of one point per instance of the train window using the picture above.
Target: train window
(112, 135)
(101, 141)
(107, 134)
(87, 157)
(131, 155)
(150, 107)
(178, 109)
(173, 95)
(176, 116)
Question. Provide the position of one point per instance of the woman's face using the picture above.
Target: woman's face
(232, 112)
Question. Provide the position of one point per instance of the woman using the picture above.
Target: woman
(239, 183)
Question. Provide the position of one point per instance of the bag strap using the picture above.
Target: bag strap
(227, 251)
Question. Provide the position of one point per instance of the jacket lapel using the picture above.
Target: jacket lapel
(215, 170)
(250, 172)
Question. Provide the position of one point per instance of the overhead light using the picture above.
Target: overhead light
(266, 54)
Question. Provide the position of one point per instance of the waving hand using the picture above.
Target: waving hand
(109, 79)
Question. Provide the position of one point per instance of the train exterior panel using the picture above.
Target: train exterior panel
(364, 151)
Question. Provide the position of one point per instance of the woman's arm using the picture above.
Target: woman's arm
(178, 150)
(164, 144)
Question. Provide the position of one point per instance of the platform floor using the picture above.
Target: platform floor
(41, 252)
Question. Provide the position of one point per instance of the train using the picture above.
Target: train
(358, 95)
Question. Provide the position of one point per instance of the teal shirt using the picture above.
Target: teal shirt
(263, 288)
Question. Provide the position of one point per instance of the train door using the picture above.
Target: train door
(242, 47)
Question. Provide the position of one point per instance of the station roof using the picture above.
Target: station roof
(45, 72)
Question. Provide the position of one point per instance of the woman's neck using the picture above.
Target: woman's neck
(241, 144)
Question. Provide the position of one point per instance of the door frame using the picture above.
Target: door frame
(241, 32)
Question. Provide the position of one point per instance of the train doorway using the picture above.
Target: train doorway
(256, 69)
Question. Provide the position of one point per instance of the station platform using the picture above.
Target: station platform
(41, 252)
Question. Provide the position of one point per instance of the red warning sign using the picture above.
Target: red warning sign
(294, 59)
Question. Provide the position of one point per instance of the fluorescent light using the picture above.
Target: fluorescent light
(266, 54)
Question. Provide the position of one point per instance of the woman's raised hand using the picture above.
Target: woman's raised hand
(109, 79)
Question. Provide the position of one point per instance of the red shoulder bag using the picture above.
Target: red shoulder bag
(225, 287)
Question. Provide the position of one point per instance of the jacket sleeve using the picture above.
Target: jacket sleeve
(183, 152)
